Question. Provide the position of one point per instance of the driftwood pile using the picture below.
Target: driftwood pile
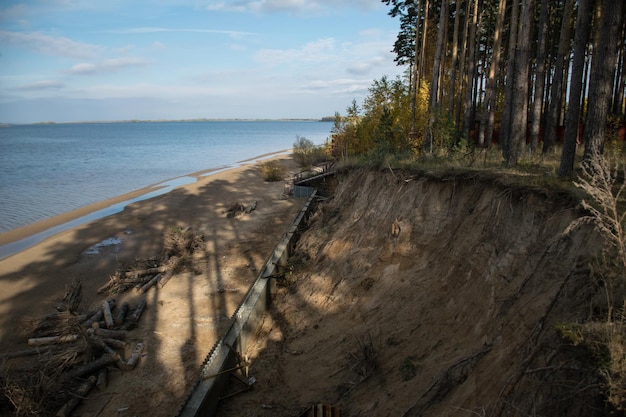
(179, 245)
(73, 351)
(141, 280)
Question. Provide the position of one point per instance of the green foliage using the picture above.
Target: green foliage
(381, 125)
(305, 153)
(272, 171)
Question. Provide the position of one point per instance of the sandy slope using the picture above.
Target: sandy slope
(454, 317)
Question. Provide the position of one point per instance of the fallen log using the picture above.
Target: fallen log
(102, 345)
(95, 318)
(113, 334)
(84, 316)
(80, 393)
(133, 281)
(172, 267)
(138, 311)
(107, 349)
(165, 277)
(121, 314)
(134, 357)
(99, 314)
(106, 312)
(149, 284)
(116, 343)
(37, 341)
(93, 366)
(142, 272)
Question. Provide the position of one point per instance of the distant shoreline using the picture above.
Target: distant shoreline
(325, 119)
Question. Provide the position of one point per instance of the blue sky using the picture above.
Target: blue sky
(80, 60)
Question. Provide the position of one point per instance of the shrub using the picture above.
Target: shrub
(272, 171)
(606, 207)
(305, 153)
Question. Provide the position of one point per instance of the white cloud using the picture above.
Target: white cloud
(139, 30)
(298, 6)
(83, 68)
(49, 45)
(108, 65)
(41, 85)
(316, 51)
(338, 86)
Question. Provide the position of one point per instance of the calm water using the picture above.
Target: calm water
(46, 170)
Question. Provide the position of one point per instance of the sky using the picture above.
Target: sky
(85, 60)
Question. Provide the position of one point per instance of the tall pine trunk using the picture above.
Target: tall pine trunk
(455, 60)
(540, 77)
(415, 70)
(620, 78)
(519, 115)
(489, 110)
(439, 50)
(566, 168)
(463, 59)
(600, 86)
(471, 73)
(423, 48)
(554, 106)
(505, 124)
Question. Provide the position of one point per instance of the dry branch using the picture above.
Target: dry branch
(450, 378)
(81, 392)
(113, 334)
(106, 312)
(134, 357)
(91, 367)
(121, 314)
(142, 272)
(37, 341)
(149, 284)
(138, 311)
(26, 352)
(101, 344)
(116, 343)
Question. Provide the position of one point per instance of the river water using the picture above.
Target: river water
(46, 170)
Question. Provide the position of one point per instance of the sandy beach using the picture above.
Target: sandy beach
(184, 318)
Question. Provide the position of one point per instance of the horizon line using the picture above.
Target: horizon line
(201, 119)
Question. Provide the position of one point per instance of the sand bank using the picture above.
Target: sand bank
(184, 318)
(16, 240)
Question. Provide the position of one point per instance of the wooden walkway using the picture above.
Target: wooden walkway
(305, 177)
